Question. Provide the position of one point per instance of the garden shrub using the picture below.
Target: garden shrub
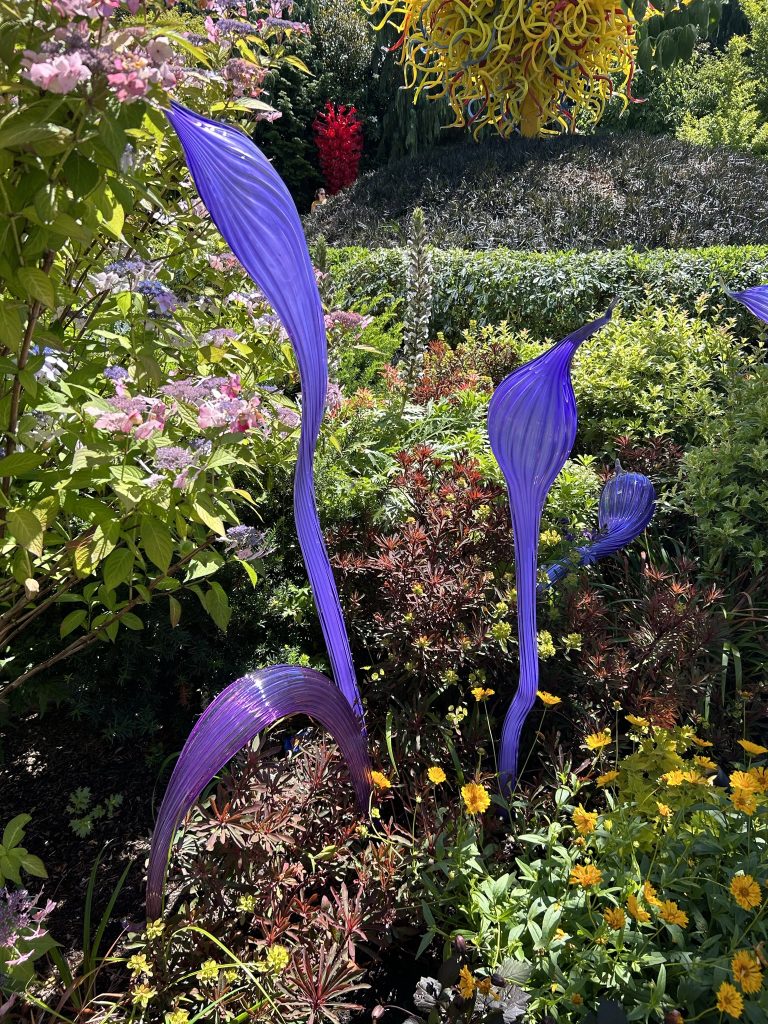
(726, 472)
(648, 888)
(571, 192)
(551, 294)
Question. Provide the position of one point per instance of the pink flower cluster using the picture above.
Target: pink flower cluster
(134, 75)
(224, 261)
(91, 9)
(129, 414)
(60, 73)
(245, 78)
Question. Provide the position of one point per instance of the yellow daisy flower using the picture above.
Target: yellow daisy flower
(636, 911)
(759, 778)
(640, 723)
(673, 778)
(586, 875)
(476, 798)
(729, 1001)
(436, 774)
(746, 891)
(746, 972)
(664, 810)
(481, 693)
(672, 914)
(467, 983)
(700, 742)
(649, 895)
(752, 748)
(615, 918)
(744, 780)
(744, 800)
(584, 821)
(380, 780)
(598, 740)
(607, 779)
(705, 762)
(548, 698)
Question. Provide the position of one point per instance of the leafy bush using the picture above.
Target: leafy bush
(725, 479)
(654, 894)
(572, 192)
(551, 294)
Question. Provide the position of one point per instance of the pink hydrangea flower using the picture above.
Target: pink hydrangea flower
(60, 73)
(118, 422)
(155, 422)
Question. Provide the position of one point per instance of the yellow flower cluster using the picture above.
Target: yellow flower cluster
(508, 64)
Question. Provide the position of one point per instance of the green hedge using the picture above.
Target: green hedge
(551, 294)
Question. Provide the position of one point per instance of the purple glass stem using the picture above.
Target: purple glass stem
(532, 424)
(253, 210)
(232, 720)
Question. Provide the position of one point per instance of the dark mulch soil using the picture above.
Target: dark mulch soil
(44, 759)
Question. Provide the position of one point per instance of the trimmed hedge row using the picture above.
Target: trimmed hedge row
(551, 294)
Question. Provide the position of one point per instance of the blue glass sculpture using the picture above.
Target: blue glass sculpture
(627, 504)
(532, 428)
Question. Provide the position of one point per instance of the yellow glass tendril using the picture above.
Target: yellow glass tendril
(508, 64)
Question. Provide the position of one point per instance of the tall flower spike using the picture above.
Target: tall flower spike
(254, 212)
(627, 504)
(755, 299)
(532, 427)
(247, 706)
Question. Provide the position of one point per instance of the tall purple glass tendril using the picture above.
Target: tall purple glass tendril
(252, 208)
(627, 504)
(233, 719)
(532, 427)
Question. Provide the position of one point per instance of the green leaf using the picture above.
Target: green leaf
(13, 832)
(19, 463)
(118, 568)
(206, 515)
(174, 611)
(26, 529)
(72, 622)
(11, 327)
(157, 542)
(132, 621)
(33, 865)
(28, 134)
(38, 285)
(217, 606)
(81, 173)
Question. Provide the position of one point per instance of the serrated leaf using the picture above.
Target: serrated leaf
(26, 529)
(118, 568)
(217, 606)
(19, 463)
(157, 542)
(37, 285)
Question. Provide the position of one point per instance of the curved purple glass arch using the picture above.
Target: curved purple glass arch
(627, 505)
(252, 208)
(532, 424)
(755, 299)
(232, 720)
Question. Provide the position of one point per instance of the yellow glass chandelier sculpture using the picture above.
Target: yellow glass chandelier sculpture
(528, 64)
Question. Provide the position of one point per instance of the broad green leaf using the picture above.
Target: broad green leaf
(13, 832)
(118, 568)
(26, 134)
(19, 463)
(11, 327)
(206, 515)
(33, 866)
(217, 606)
(157, 542)
(72, 622)
(26, 529)
(38, 285)
(132, 621)
(174, 611)
(81, 173)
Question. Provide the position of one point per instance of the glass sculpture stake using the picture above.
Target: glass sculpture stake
(532, 427)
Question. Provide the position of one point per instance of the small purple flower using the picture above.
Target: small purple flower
(163, 297)
(248, 544)
(174, 458)
(126, 268)
(116, 373)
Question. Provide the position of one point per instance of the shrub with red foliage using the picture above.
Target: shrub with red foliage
(339, 138)
(425, 594)
(656, 457)
(651, 649)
